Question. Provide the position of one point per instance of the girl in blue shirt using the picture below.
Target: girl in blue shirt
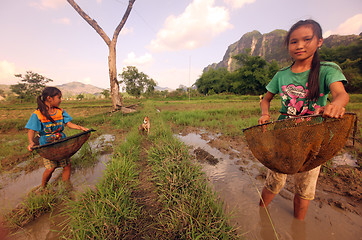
(49, 121)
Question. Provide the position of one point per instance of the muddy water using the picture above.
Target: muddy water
(14, 188)
(48, 225)
(238, 182)
(345, 159)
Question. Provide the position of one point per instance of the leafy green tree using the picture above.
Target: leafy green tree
(353, 72)
(31, 85)
(253, 76)
(80, 96)
(273, 69)
(181, 90)
(137, 83)
(217, 80)
(350, 60)
(106, 93)
(164, 93)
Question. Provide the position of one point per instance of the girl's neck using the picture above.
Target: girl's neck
(299, 67)
(51, 109)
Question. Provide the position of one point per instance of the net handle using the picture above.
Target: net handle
(63, 139)
(305, 116)
(264, 124)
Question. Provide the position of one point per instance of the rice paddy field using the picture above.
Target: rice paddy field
(149, 187)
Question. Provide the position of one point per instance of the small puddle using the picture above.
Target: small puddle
(344, 159)
(238, 182)
(45, 227)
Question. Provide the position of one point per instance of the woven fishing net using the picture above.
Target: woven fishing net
(299, 144)
(63, 148)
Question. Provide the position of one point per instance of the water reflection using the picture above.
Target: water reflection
(344, 159)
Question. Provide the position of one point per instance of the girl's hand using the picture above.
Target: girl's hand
(30, 146)
(340, 99)
(83, 128)
(31, 135)
(264, 118)
(331, 110)
(75, 126)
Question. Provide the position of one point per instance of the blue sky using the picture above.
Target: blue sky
(169, 40)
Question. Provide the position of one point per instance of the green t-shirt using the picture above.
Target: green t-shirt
(293, 90)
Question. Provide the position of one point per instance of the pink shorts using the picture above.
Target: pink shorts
(305, 182)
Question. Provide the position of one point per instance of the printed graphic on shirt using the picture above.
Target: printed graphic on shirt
(294, 99)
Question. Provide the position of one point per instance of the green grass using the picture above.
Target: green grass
(17, 124)
(103, 213)
(12, 145)
(192, 210)
(108, 211)
(227, 117)
(111, 211)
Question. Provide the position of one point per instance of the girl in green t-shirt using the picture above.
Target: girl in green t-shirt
(303, 87)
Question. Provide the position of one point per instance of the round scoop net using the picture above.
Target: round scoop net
(299, 144)
(63, 148)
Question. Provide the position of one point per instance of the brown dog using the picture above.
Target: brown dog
(145, 126)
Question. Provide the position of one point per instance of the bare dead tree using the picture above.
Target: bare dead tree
(117, 100)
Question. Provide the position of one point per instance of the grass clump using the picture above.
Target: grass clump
(192, 210)
(104, 213)
(108, 211)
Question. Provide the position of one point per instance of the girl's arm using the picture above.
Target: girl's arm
(75, 126)
(336, 108)
(265, 105)
(31, 135)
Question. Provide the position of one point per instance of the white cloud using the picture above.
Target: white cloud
(133, 60)
(48, 4)
(7, 72)
(65, 21)
(235, 4)
(197, 26)
(352, 25)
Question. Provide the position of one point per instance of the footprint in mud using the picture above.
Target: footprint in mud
(203, 156)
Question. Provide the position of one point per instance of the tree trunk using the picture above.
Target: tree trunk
(116, 97)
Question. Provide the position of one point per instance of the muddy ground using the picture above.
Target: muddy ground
(338, 187)
(341, 183)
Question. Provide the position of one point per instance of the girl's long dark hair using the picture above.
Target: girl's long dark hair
(47, 92)
(313, 77)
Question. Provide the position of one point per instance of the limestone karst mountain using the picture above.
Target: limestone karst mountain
(270, 46)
